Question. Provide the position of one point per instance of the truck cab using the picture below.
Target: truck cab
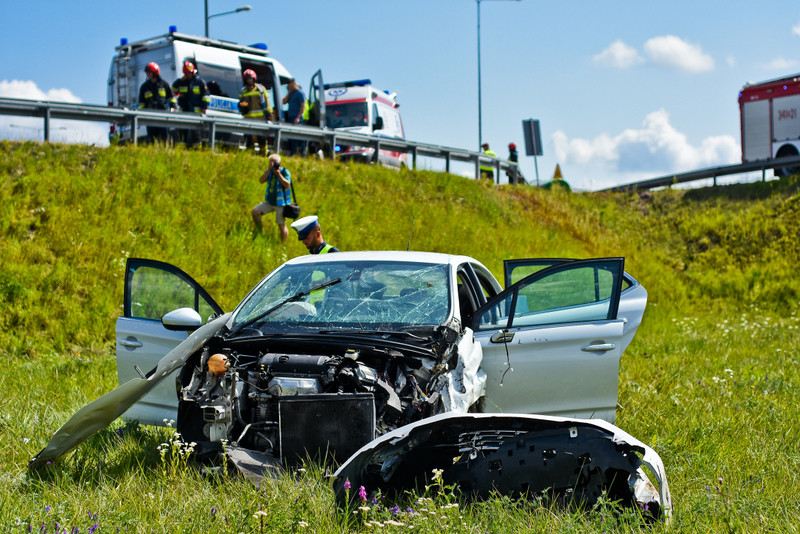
(358, 106)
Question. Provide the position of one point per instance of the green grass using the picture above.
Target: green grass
(709, 382)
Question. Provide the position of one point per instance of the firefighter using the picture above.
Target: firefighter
(254, 104)
(193, 97)
(487, 171)
(155, 93)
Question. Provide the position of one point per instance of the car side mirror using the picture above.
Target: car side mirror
(378, 125)
(182, 320)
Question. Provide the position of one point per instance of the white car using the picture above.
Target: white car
(329, 352)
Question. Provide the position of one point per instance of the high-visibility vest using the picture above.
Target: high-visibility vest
(488, 152)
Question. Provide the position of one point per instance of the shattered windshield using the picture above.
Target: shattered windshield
(380, 295)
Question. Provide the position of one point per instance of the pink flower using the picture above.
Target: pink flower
(347, 485)
(362, 493)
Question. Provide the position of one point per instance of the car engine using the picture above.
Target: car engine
(297, 406)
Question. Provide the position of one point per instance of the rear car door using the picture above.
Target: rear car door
(153, 288)
(552, 341)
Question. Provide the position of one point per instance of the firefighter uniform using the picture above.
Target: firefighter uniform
(193, 97)
(156, 95)
(254, 104)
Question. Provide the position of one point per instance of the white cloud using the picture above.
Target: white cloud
(655, 149)
(61, 131)
(619, 55)
(674, 52)
(781, 63)
(29, 90)
(796, 29)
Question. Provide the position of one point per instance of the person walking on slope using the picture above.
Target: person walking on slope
(278, 195)
(309, 232)
(193, 97)
(254, 104)
(156, 94)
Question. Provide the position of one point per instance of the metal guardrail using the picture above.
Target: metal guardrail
(711, 172)
(214, 125)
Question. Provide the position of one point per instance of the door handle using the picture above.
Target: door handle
(600, 347)
(502, 337)
(130, 343)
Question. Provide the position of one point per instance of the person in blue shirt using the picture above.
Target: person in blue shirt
(296, 101)
(278, 195)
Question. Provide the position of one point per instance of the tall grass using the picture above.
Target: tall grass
(709, 381)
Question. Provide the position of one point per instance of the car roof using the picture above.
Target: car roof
(385, 256)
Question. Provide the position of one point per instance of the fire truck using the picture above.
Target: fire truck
(770, 120)
(219, 63)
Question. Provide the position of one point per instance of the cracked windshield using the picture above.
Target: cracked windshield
(392, 295)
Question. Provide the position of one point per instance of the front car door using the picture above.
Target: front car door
(153, 288)
(552, 341)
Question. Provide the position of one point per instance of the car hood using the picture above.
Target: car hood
(98, 414)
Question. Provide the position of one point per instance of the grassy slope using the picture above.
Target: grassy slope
(709, 380)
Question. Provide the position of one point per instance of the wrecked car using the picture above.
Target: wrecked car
(328, 353)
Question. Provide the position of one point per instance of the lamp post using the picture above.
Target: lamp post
(237, 10)
(480, 114)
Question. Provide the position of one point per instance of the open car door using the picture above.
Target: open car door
(552, 341)
(154, 291)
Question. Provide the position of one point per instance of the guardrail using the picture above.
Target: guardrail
(792, 162)
(48, 110)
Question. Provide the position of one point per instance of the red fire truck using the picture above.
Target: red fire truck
(770, 120)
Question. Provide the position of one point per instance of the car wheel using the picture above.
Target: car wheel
(784, 152)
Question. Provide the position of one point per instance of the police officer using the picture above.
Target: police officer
(193, 97)
(309, 232)
(487, 171)
(155, 93)
(254, 104)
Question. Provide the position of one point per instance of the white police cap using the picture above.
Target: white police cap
(304, 225)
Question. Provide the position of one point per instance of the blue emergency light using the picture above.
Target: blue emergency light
(123, 41)
(173, 29)
(260, 46)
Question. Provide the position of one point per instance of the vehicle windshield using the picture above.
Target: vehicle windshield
(346, 115)
(377, 295)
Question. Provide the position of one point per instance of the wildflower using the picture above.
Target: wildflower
(362, 493)
(347, 485)
(93, 528)
(47, 508)
(394, 523)
(364, 508)
(437, 474)
(259, 514)
(396, 510)
(213, 510)
(302, 524)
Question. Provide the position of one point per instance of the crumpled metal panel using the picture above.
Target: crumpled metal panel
(98, 414)
(568, 460)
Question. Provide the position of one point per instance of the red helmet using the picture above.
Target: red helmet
(152, 67)
(188, 67)
(249, 73)
(512, 146)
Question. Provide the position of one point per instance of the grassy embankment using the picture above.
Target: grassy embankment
(710, 380)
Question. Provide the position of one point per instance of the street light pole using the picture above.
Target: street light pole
(480, 110)
(237, 10)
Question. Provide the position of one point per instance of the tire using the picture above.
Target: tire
(784, 152)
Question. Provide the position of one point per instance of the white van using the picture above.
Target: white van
(219, 63)
(357, 106)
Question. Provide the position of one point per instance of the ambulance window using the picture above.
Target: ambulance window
(221, 81)
(375, 116)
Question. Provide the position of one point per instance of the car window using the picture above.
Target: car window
(154, 292)
(574, 293)
(360, 292)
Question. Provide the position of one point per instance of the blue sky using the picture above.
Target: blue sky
(623, 90)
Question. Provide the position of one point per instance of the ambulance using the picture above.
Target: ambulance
(357, 106)
(219, 63)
